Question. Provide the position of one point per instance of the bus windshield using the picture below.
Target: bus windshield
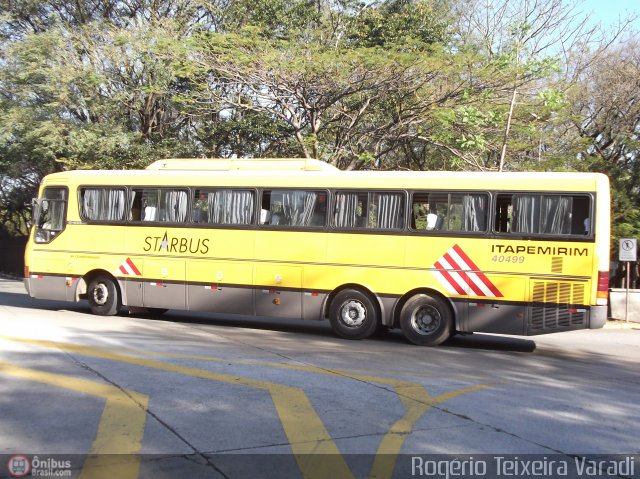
(50, 217)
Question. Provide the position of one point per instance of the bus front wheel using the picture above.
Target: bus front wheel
(103, 296)
(353, 315)
(426, 320)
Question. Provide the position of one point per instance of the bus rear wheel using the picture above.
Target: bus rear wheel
(104, 297)
(353, 315)
(426, 320)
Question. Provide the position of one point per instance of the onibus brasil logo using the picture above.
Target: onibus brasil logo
(20, 465)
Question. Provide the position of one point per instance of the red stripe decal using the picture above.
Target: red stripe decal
(452, 282)
(133, 267)
(496, 292)
(464, 275)
(123, 270)
(465, 258)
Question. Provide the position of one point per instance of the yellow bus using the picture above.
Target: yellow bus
(432, 253)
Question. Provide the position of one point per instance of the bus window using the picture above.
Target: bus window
(159, 205)
(532, 213)
(51, 214)
(301, 208)
(442, 211)
(102, 204)
(350, 210)
(387, 211)
(379, 210)
(225, 207)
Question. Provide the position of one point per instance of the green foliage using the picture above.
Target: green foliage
(402, 23)
(388, 84)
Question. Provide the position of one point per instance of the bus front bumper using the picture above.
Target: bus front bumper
(597, 317)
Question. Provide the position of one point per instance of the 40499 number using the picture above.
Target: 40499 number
(502, 258)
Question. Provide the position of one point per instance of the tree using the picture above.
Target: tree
(605, 112)
(529, 38)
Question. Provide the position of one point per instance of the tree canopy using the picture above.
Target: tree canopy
(394, 84)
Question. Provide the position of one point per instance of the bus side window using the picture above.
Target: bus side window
(387, 210)
(543, 214)
(224, 206)
(102, 204)
(159, 205)
(296, 208)
(580, 215)
(379, 210)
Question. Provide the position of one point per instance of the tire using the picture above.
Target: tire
(353, 315)
(426, 320)
(104, 296)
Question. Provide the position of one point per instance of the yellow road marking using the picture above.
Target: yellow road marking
(298, 367)
(304, 429)
(121, 426)
(416, 402)
(413, 396)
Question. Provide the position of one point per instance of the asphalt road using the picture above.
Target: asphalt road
(190, 395)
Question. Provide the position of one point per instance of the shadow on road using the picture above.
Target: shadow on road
(312, 328)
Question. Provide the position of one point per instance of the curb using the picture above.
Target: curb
(621, 324)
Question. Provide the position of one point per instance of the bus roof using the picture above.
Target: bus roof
(334, 178)
(228, 164)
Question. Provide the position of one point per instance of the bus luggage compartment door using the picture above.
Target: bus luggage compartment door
(220, 287)
(278, 291)
(164, 286)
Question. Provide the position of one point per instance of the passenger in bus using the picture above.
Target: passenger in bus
(275, 219)
(432, 221)
(277, 215)
(201, 208)
(319, 212)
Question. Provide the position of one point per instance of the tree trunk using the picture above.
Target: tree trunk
(503, 153)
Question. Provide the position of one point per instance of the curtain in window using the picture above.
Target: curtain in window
(233, 207)
(297, 207)
(174, 205)
(526, 214)
(390, 210)
(474, 212)
(103, 204)
(556, 214)
(345, 212)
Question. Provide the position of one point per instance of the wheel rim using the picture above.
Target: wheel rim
(100, 294)
(353, 313)
(425, 320)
